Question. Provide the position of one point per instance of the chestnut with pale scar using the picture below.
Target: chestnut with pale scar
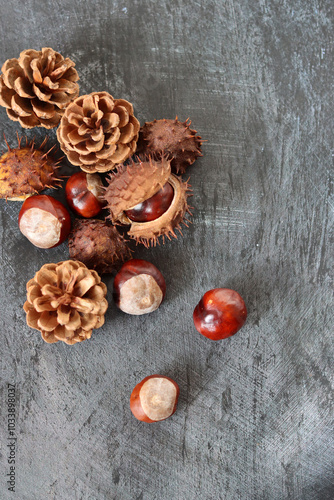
(139, 287)
(44, 221)
(154, 398)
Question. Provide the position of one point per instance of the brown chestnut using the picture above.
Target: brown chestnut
(154, 398)
(139, 287)
(220, 313)
(44, 221)
(83, 193)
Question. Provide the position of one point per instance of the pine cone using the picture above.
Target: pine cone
(173, 139)
(98, 245)
(36, 87)
(65, 301)
(98, 131)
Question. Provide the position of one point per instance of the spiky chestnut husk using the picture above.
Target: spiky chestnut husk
(134, 183)
(27, 170)
(98, 245)
(172, 138)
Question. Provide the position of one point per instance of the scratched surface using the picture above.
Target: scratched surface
(255, 416)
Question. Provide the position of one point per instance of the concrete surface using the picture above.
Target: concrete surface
(255, 416)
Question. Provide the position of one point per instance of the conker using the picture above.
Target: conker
(83, 193)
(154, 398)
(154, 207)
(139, 287)
(44, 221)
(220, 313)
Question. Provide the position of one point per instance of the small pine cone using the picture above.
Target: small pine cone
(173, 139)
(98, 245)
(36, 87)
(65, 301)
(98, 131)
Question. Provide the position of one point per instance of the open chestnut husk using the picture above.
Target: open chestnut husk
(137, 196)
(154, 398)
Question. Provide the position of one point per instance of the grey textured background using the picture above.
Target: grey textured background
(255, 416)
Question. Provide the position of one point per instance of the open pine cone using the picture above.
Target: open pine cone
(98, 131)
(36, 87)
(65, 301)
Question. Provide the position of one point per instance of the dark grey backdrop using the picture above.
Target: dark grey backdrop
(254, 420)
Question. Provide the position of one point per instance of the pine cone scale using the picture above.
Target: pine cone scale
(43, 304)
(24, 88)
(11, 75)
(63, 315)
(111, 120)
(90, 321)
(112, 137)
(74, 322)
(21, 106)
(6, 94)
(33, 293)
(32, 317)
(47, 277)
(94, 146)
(84, 286)
(43, 110)
(47, 321)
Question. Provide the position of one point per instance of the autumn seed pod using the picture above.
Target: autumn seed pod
(173, 138)
(138, 182)
(98, 245)
(27, 170)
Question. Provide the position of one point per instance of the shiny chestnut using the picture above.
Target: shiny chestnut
(154, 207)
(154, 398)
(44, 221)
(139, 287)
(83, 192)
(220, 313)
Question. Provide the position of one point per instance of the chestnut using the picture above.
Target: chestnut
(154, 207)
(44, 221)
(220, 313)
(139, 287)
(83, 193)
(154, 398)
